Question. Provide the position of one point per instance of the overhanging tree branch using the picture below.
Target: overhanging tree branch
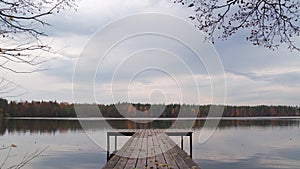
(21, 47)
(20, 42)
(270, 23)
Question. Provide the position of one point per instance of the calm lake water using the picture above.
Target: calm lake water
(237, 143)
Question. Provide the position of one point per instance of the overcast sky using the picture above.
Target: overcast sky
(254, 75)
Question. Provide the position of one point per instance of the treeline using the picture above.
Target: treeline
(119, 110)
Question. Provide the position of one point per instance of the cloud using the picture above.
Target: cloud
(243, 90)
(239, 55)
(94, 14)
(280, 77)
(254, 75)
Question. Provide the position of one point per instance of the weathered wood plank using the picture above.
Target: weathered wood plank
(127, 152)
(142, 161)
(169, 161)
(131, 163)
(114, 160)
(160, 161)
(182, 158)
(149, 148)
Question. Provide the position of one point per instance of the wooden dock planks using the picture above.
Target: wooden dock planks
(151, 149)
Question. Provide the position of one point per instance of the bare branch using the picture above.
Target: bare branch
(8, 88)
(20, 44)
(22, 18)
(6, 157)
(269, 22)
(26, 159)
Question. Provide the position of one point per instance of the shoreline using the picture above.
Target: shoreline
(162, 119)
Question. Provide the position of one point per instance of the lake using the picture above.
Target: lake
(260, 143)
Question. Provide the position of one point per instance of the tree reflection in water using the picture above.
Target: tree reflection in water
(62, 125)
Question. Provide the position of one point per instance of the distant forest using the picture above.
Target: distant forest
(119, 110)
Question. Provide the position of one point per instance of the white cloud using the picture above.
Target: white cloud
(254, 75)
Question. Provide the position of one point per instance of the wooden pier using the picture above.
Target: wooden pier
(151, 149)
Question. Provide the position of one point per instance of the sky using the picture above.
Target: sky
(152, 68)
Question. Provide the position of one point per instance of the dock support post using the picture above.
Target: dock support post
(182, 142)
(191, 145)
(115, 143)
(108, 145)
